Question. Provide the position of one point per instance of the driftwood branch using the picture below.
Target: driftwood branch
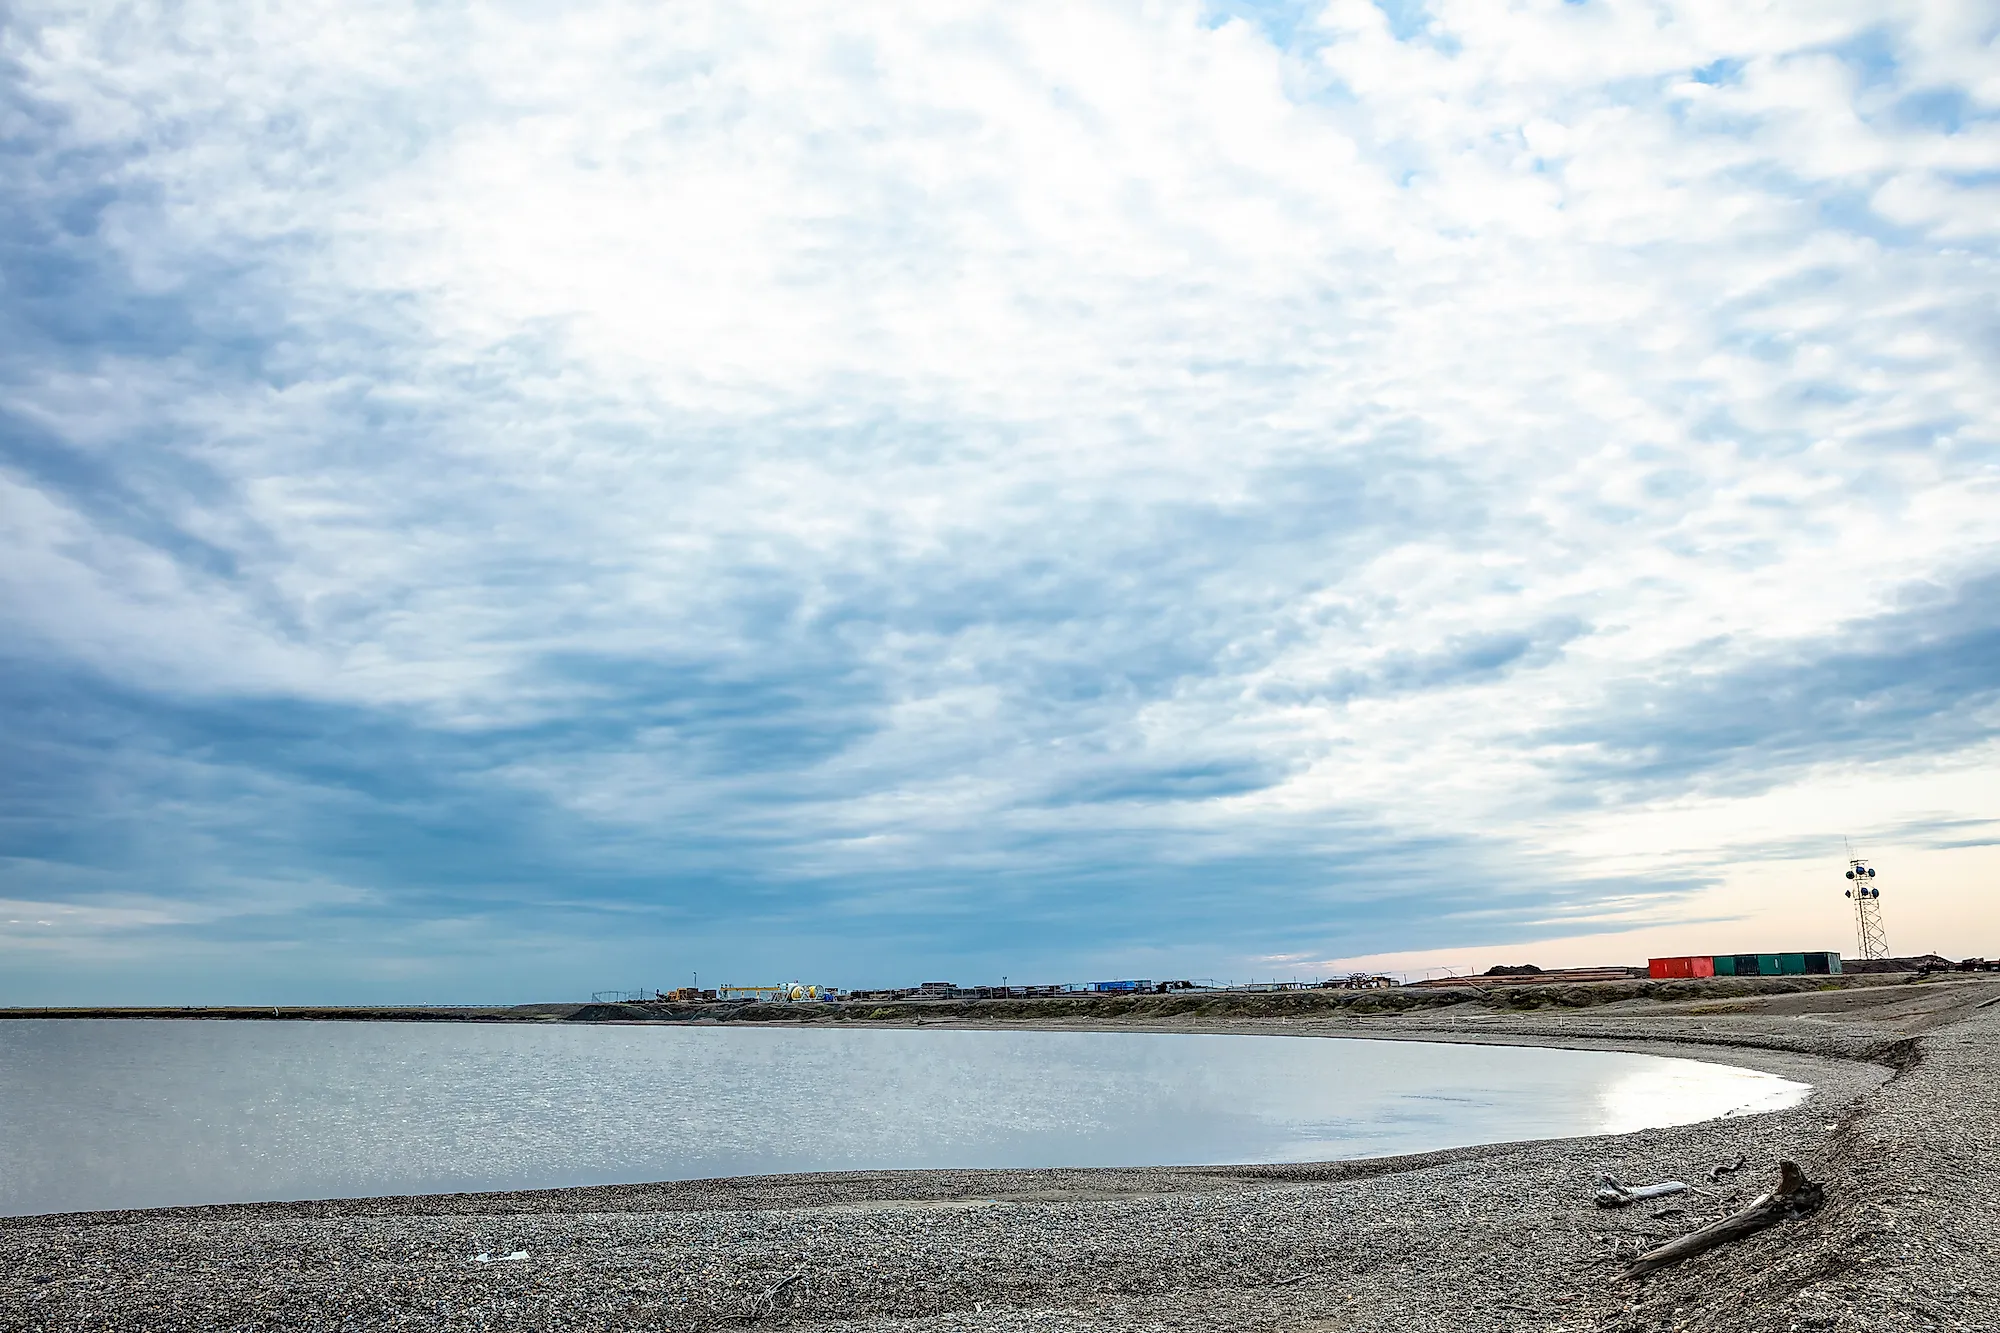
(766, 1305)
(1794, 1198)
(1611, 1194)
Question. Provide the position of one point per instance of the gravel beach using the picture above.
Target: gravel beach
(1901, 1128)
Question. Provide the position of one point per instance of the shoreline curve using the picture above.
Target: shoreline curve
(1900, 1124)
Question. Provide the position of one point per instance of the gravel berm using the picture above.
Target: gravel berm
(1901, 1128)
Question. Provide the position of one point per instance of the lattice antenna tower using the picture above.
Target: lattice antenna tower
(1869, 941)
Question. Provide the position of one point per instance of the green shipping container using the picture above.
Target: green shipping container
(1767, 965)
(1792, 964)
(1725, 965)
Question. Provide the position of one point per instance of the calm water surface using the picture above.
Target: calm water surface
(138, 1113)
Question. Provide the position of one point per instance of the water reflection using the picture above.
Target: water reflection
(1633, 1100)
(138, 1113)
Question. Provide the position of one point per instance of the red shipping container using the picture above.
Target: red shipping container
(1694, 965)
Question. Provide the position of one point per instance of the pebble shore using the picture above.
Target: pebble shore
(1901, 1128)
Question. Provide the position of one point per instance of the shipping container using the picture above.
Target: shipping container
(1698, 965)
(1757, 965)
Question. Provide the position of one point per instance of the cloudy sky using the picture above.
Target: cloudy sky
(499, 502)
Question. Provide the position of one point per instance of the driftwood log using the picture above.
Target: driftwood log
(1611, 1194)
(1721, 1169)
(1794, 1198)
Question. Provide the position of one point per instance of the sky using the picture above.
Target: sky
(501, 502)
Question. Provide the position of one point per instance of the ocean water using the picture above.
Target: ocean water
(144, 1113)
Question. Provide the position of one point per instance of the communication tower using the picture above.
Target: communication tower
(1869, 941)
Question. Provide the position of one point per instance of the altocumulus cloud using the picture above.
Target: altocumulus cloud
(493, 500)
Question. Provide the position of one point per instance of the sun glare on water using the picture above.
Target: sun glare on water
(1680, 1092)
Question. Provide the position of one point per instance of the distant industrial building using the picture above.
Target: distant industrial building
(1533, 976)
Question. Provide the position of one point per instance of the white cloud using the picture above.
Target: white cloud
(1086, 388)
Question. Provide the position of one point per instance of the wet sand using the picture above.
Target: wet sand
(1901, 1127)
